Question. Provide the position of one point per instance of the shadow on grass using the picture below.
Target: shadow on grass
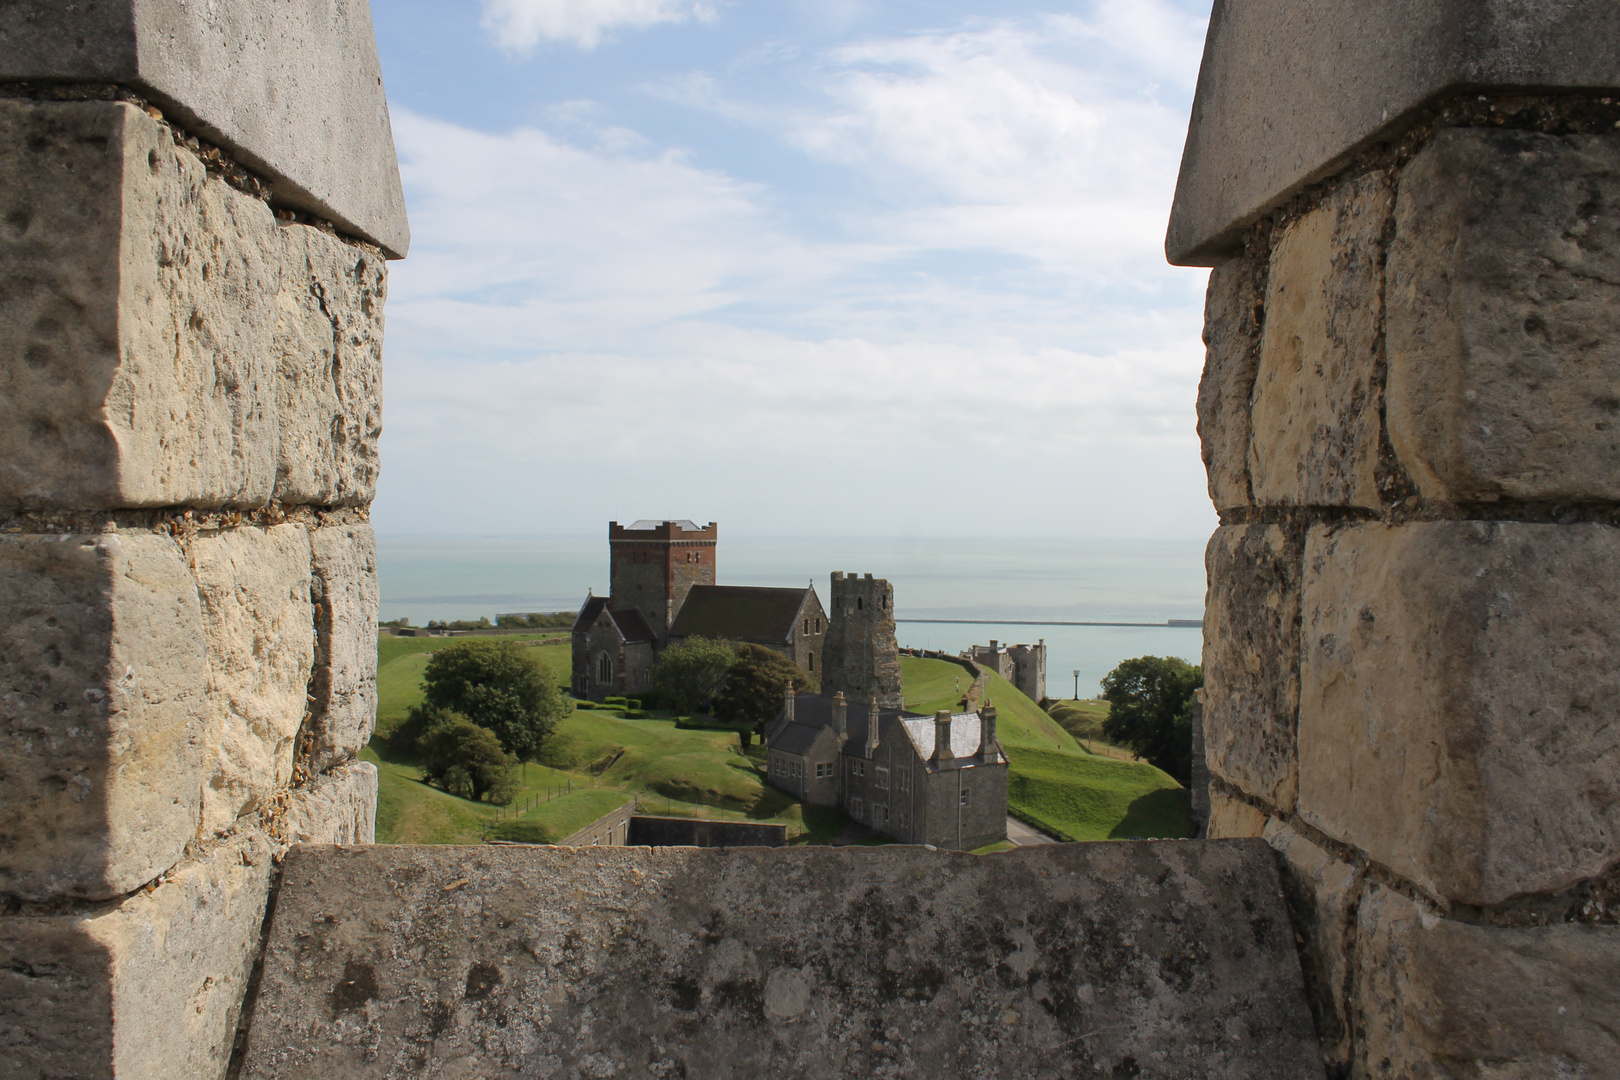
(1165, 814)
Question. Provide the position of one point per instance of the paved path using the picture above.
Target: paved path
(1024, 836)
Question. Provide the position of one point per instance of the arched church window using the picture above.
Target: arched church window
(812, 658)
(604, 668)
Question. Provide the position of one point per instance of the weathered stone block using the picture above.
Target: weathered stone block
(294, 90)
(1145, 959)
(1504, 317)
(1459, 701)
(1251, 659)
(327, 346)
(343, 711)
(1440, 998)
(149, 988)
(259, 625)
(132, 289)
(1290, 88)
(339, 807)
(1322, 893)
(1316, 418)
(104, 712)
(1233, 313)
(1232, 819)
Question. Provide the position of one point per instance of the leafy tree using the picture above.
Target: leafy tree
(692, 672)
(1150, 710)
(756, 684)
(498, 686)
(467, 760)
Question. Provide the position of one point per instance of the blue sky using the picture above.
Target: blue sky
(843, 267)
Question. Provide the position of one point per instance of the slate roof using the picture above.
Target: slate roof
(795, 738)
(631, 626)
(966, 734)
(682, 524)
(739, 612)
(814, 711)
(588, 612)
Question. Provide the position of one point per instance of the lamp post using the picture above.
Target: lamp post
(1077, 684)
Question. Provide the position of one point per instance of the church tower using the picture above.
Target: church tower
(862, 657)
(654, 564)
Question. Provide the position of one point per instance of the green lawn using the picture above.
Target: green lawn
(669, 771)
(931, 685)
(1054, 784)
(561, 817)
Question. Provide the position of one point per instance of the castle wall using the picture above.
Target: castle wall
(1408, 417)
(190, 398)
(862, 656)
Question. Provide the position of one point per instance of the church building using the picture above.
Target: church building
(661, 590)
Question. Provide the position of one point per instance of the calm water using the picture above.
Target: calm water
(1125, 581)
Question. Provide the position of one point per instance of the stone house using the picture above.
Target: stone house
(1022, 665)
(939, 780)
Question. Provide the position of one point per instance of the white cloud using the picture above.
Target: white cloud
(599, 319)
(520, 25)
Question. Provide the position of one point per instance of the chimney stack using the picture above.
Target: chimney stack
(787, 703)
(944, 756)
(872, 717)
(988, 747)
(840, 711)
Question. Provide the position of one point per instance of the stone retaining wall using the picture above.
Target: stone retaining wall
(190, 399)
(1411, 422)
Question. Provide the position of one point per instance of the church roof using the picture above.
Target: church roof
(631, 626)
(743, 613)
(588, 612)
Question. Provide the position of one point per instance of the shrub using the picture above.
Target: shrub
(467, 760)
(619, 701)
(636, 714)
(584, 704)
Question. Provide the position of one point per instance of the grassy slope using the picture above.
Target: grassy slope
(684, 773)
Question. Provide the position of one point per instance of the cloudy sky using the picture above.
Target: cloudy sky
(828, 267)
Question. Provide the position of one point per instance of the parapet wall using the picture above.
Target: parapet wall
(1150, 960)
(1411, 426)
(190, 399)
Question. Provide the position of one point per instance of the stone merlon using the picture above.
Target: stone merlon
(1289, 89)
(293, 90)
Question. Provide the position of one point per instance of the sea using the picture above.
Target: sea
(1011, 591)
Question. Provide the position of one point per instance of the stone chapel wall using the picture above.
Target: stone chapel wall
(1411, 419)
(190, 400)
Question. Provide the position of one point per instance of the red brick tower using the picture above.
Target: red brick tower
(655, 564)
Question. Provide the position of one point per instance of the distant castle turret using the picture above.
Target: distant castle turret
(862, 657)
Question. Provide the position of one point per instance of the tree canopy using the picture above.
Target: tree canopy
(497, 685)
(757, 683)
(693, 671)
(466, 760)
(1150, 710)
